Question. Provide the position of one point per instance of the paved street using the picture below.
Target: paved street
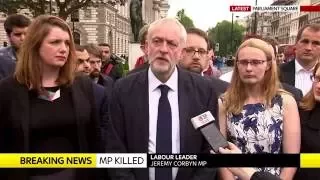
(226, 69)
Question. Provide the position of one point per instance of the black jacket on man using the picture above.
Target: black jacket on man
(7, 61)
(287, 73)
(129, 123)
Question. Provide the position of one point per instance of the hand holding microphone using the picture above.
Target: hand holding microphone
(205, 123)
(246, 173)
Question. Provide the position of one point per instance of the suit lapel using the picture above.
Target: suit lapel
(183, 99)
(289, 73)
(142, 111)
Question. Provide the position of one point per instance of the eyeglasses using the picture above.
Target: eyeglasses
(252, 62)
(192, 51)
(315, 79)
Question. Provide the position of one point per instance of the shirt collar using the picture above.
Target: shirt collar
(299, 68)
(154, 82)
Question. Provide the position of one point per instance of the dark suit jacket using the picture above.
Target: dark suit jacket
(14, 124)
(310, 134)
(129, 124)
(6, 67)
(219, 85)
(138, 69)
(287, 73)
(297, 93)
(105, 81)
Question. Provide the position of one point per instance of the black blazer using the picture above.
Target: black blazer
(287, 73)
(138, 69)
(219, 85)
(310, 135)
(297, 93)
(14, 124)
(105, 81)
(129, 125)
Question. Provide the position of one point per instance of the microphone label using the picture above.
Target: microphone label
(202, 119)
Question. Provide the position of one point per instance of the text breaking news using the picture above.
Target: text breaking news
(143, 160)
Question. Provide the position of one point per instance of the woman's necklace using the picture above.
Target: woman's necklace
(49, 95)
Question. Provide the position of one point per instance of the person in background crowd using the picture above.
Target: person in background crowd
(95, 60)
(289, 53)
(151, 110)
(111, 64)
(211, 69)
(142, 60)
(195, 57)
(106, 52)
(16, 26)
(82, 60)
(280, 56)
(56, 110)
(297, 93)
(310, 125)
(246, 173)
(256, 114)
(307, 50)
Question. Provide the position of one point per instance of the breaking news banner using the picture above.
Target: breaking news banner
(143, 160)
(282, 8)
(53, 160)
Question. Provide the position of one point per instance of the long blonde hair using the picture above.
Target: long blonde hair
(234, 98)
(28, 70)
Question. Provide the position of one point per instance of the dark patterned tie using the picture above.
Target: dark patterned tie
(164, 132)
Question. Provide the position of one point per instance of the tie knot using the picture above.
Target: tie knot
(164, 89)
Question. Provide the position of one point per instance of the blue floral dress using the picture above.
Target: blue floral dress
(258, 129)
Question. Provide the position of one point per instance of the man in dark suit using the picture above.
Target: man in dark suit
(151, 110)
(196, 57)
(297, 72)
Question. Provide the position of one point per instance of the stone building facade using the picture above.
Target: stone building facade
(107, 24)
(285, 26)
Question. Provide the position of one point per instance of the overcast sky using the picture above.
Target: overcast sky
(206, 13)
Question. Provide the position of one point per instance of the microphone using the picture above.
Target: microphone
(205, 123)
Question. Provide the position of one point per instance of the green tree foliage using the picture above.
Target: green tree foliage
(63, 7)
(221, 34)
(184, 19)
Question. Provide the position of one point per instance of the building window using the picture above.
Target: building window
(118, 43)
(76, 37)
(87, 12)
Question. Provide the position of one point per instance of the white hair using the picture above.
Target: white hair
(183, 32)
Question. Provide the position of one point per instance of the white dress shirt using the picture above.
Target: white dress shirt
(154, 96)
(302, 78)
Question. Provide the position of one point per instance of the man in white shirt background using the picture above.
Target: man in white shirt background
(307, 51)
